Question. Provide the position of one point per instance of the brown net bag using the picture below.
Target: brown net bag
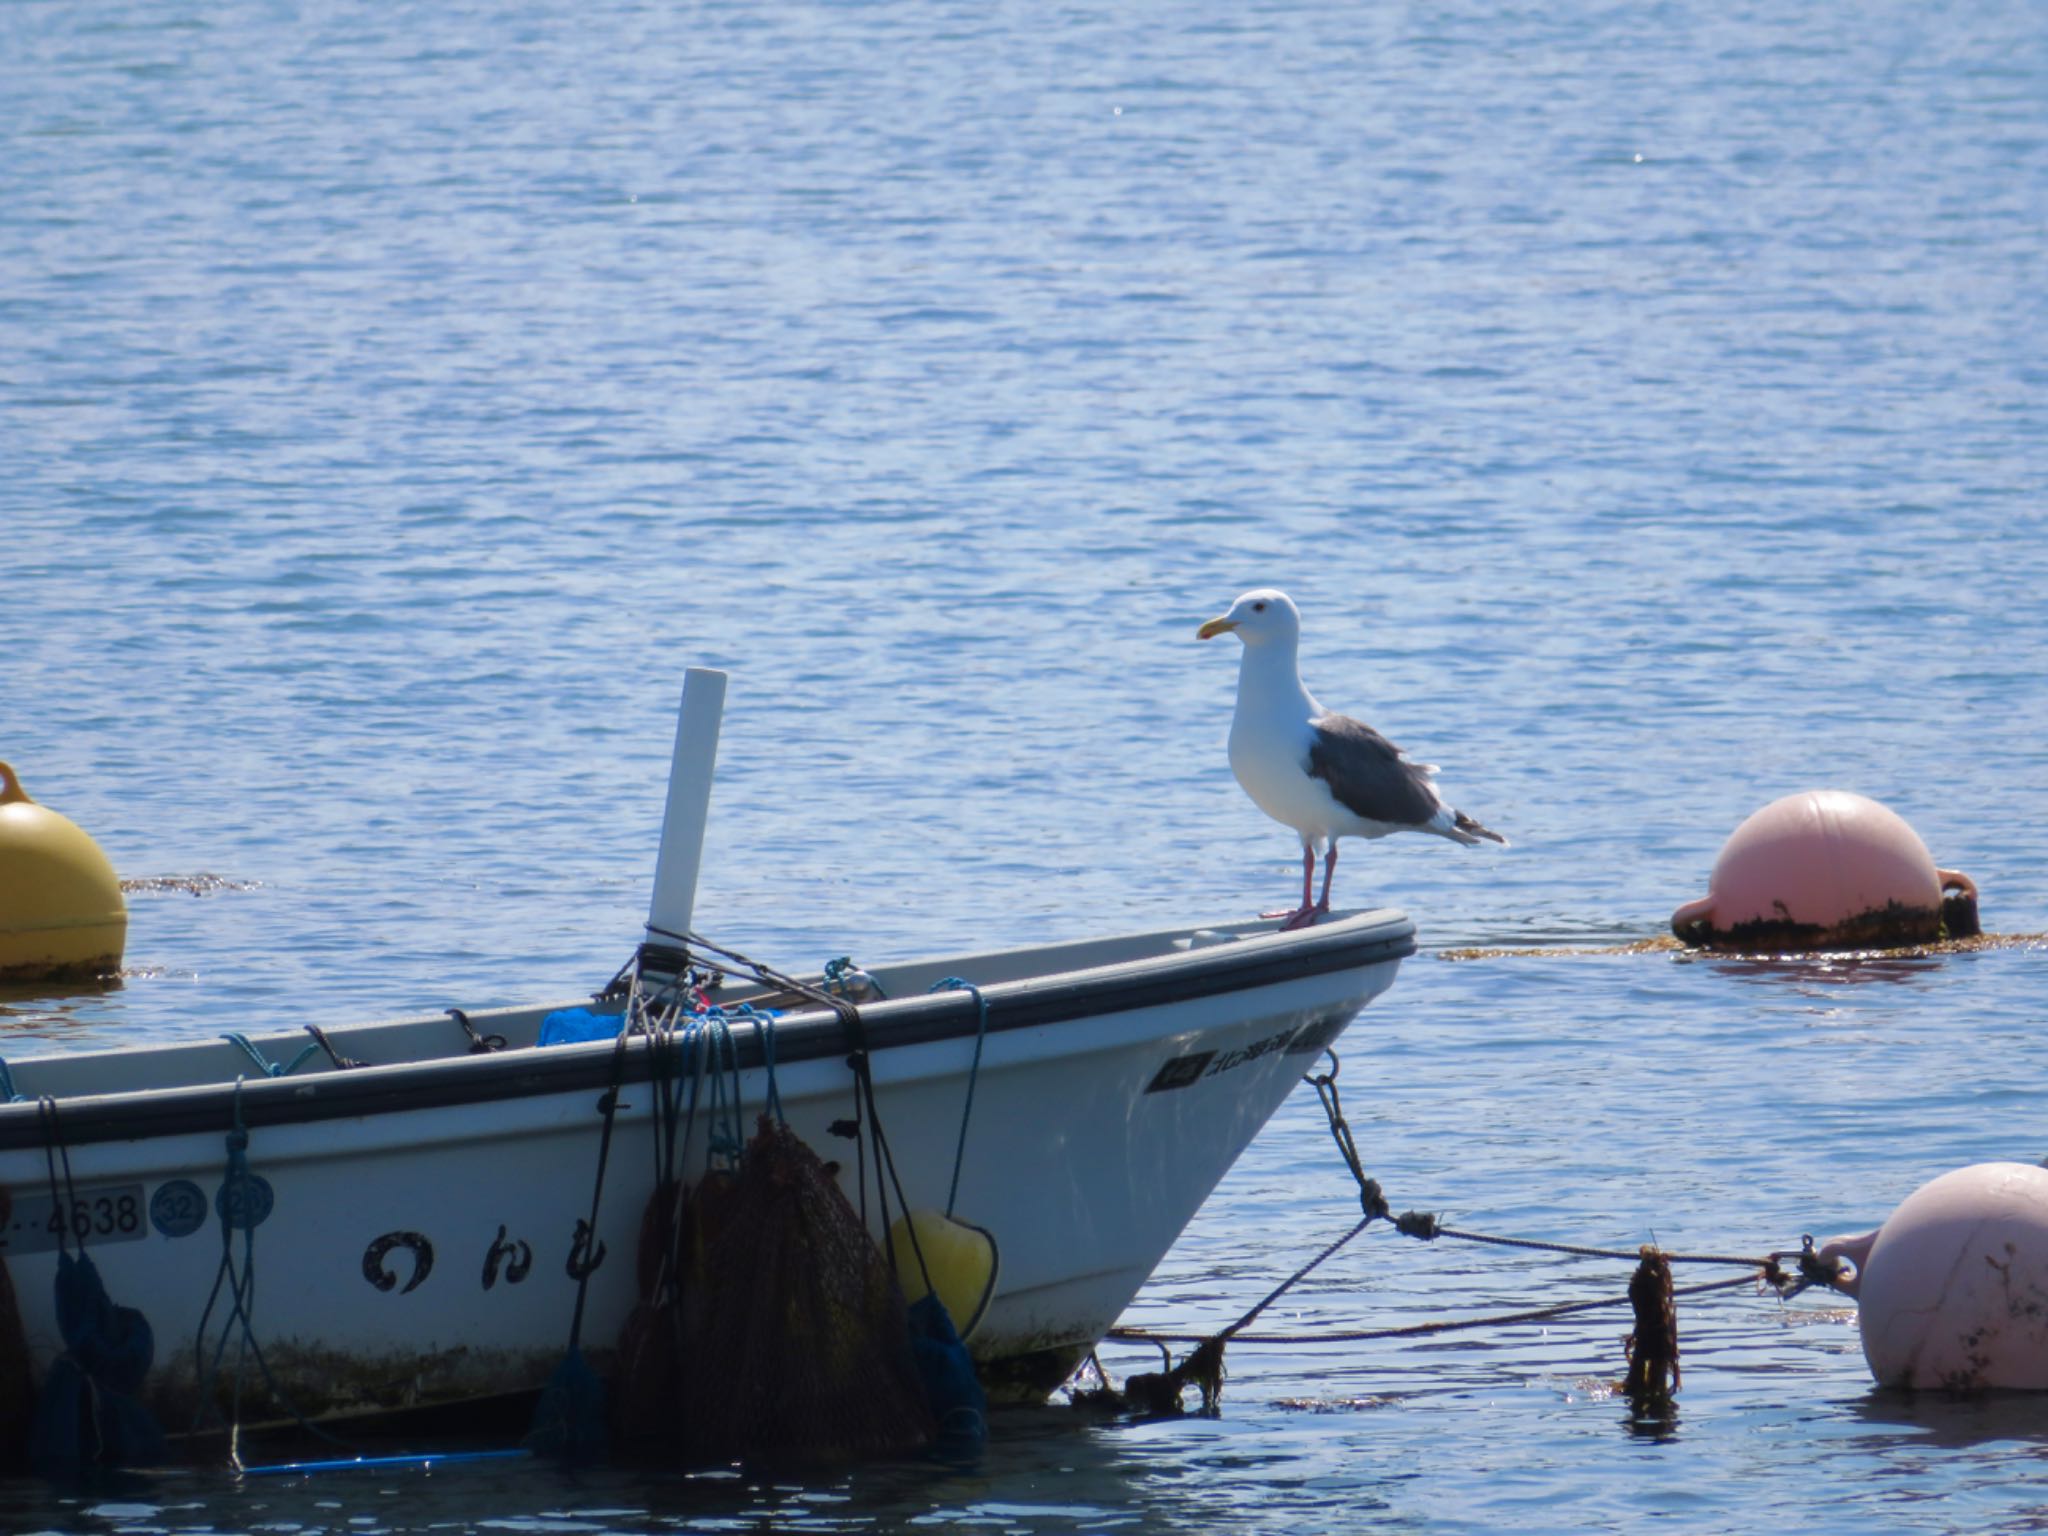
(783, 1337)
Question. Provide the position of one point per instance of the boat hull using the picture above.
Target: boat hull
(417, 1231)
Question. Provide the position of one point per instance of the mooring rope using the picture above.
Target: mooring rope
(1578, 1250)
(1415, 1330)
(1653, 1350)
(1425, 1226)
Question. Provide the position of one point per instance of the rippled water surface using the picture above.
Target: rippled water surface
(1645, 405)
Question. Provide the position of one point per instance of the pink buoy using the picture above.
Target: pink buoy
(1952, 1291)
(1826, 869)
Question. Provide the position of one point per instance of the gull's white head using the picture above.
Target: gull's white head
(1263, 616)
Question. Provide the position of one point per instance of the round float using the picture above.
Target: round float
(1826, 869)
(959, 1258)
(61, 913)
(1952, 1291)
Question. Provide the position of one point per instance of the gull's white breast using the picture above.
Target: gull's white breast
(1269, 755)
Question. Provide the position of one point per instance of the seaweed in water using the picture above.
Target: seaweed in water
(1653, 1374)
(1892, 926)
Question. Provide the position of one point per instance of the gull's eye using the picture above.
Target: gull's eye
(1258, 607)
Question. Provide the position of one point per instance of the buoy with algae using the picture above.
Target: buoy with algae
(1827, 869)
(61, 913)
(1952, 1291)
(959, 1258)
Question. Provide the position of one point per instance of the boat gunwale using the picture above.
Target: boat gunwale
(1255, 959)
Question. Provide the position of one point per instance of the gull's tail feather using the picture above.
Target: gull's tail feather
(1463, 829)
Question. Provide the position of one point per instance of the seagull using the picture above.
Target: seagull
(1325, 775)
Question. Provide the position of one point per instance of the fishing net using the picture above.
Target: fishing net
(773, 1331)
(675, 1230)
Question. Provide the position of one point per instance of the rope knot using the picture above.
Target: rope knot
(1813, 1270)
(1420, 1224)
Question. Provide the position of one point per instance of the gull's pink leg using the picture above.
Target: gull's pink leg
(1329, 869)
(1298, 915)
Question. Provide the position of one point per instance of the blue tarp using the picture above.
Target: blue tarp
(573, 1026)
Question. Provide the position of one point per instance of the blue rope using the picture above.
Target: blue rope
(7, 1085)
(426, 1461)
(720, 1062)
(264, 1064)
(713, 1052)
(955, 984)
(763, 1020)
(693, 1041)
(241, 1287)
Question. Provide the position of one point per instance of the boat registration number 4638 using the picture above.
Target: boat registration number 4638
(117, 1214)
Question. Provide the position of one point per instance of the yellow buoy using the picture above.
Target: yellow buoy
(61, 913)
(960, 1258)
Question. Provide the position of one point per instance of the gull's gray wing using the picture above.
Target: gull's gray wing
(1367, 773)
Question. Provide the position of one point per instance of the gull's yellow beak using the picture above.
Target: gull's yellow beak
(1213, 628)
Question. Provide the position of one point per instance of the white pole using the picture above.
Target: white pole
(689, 802)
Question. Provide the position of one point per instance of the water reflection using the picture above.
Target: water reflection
(39, 1011)
(1658, 1424)
(1048, 1468)
(1845, 968)
(1825, 966)
(1937, 1420)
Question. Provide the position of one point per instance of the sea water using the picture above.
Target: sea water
(1647, 406)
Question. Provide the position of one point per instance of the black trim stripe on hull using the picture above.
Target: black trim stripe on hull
(449, 1082)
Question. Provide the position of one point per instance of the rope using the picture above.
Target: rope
(667, 1046)
(1418, 1330)
(594, 1255)
(739, 965)
(88, 1413)
(973, 1073)
(478, 1043)
(264, 1064)
(341, 1063)
(731, 962)
(241, 1287)
(1370, 1197)
(843, 977)
(763, 1020)
(14, 1095)
(53, 1147)
(885, 1163)
(724, 1136)
(684, 1050)
(425, 1461)
(1288, 1284)
(1425, 1226)
(1204, 1364)
(1738, 1260)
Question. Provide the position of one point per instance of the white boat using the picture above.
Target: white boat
(415, 1207)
